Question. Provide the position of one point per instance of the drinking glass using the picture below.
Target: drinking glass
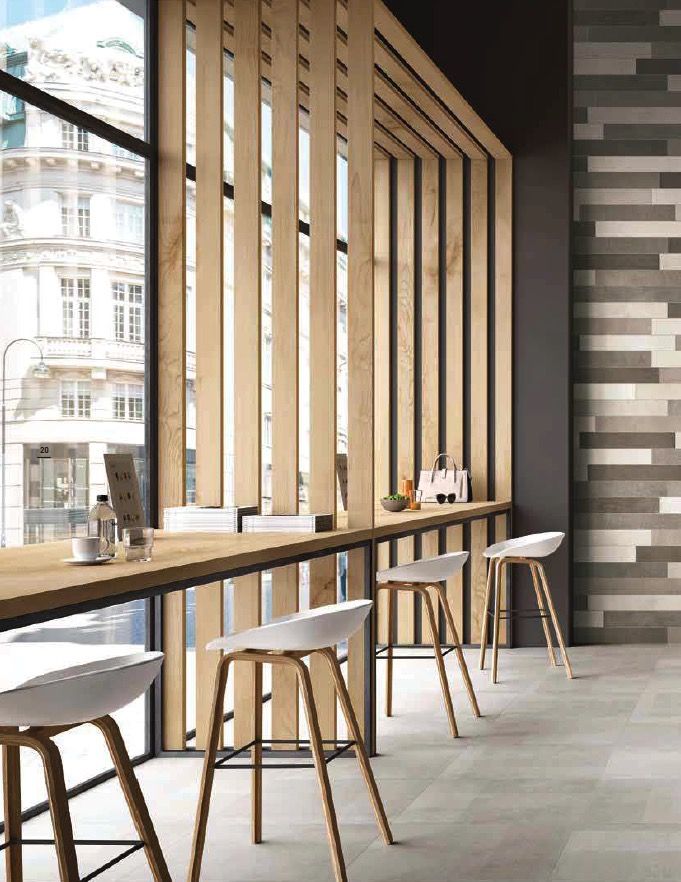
(138, 543)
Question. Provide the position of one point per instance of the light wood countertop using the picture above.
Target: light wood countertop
(35, 581)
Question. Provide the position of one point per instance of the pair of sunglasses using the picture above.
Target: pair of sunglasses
(445, 497)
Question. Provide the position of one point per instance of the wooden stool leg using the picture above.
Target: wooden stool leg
(457, 648)
(485, 613)
(440, 662)
(134, 798)
(497, 619)
(256, 758)
(11, 784)
(203, 806)
(389, 654)
(554, 619)
(542, 610)
(360, 749)
(59, 808)
(322, 772)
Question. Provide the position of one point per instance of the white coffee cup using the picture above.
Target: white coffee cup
(85, 547)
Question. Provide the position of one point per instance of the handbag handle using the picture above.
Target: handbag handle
(447, 457)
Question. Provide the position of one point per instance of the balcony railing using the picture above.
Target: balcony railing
(99, 350)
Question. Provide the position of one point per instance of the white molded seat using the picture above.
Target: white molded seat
(428, 570)
(535, 545)
(311, 629)
(79, 694)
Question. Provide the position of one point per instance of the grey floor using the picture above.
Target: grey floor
(569, 781)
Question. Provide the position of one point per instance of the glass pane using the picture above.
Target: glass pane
(190, 331)
(228, 105)
(89, 53)
(267, 332)
(304, 372)
(72, 291)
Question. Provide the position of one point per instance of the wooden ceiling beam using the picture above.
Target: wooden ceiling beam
(396, 36)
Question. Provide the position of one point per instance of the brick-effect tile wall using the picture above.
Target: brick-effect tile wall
(627, 320)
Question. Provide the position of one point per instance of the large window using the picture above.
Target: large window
(73, 283)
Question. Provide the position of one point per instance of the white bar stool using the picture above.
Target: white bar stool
(418, 577)
(287, 641)
(54, 703)
(525, 550)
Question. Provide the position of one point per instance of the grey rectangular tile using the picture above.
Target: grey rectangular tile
(623, 440)
(593, 212)
(611, 359)
(622, 244)
(615, 375)
(617, 180)
(616, 261)
(618, 504)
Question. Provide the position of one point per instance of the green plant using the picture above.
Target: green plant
(396, 497)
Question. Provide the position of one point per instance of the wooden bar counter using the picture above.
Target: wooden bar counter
(36, 585)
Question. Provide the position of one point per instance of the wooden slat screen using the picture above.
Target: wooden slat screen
(429, 309)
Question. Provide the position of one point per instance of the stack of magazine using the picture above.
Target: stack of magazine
(314, 523)
(206, 518)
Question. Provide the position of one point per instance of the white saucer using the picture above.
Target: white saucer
(77, 562)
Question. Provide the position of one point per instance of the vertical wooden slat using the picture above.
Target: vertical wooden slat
(171, 342)
(247, 323)
(209, 325)
(382, 361)
(284, 76)
(405, 370)
(479, 399)
(503, 342)
(430, 323)
(323, 320)
(454, 415)
(503, 328)
(360, 314)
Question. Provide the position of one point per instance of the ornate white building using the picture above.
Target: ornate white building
(71, 267)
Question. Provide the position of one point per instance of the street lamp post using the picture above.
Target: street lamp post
(41, 370)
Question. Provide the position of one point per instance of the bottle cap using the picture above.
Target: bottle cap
(102, 497)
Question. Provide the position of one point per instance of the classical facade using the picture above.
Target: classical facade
(72, 264)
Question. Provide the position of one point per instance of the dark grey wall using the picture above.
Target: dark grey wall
(511, 59)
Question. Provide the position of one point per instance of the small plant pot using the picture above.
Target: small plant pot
(394, 504)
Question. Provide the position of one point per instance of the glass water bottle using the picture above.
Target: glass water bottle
(102, 523)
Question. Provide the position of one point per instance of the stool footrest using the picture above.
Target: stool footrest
(381, 650)
(520, 613)
(133, 846)
(340, 747)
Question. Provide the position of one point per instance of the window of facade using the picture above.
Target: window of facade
(130, 222)
(128, 311)
(74, 137)
(75, 216)
(76, 399)
(75, 301)
(127, 402)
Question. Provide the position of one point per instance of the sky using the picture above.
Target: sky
(14, 12)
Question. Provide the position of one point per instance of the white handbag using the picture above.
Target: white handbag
(447, 482)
